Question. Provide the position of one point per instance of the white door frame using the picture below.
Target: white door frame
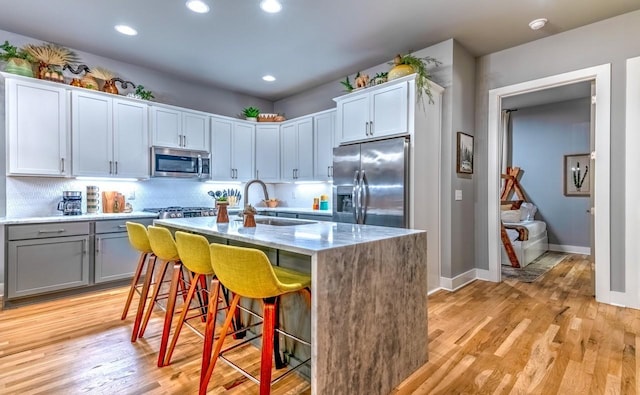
(602, 76)
(632, 185)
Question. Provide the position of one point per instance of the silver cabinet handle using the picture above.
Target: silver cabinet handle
(231, 172)
(184, 139)
(116, 167)
(257, 173)
(51, 231)
(371, 128)
(122, 226)
(62, 165)
(366, 128)
(98, 244)
(110, 167)
(84, 247)
(328, 171)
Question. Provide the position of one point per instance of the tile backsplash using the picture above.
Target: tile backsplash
(39, 196)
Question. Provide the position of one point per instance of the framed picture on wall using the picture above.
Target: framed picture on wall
(464, 163)
(576, 175)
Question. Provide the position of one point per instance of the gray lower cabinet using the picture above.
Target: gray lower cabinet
(115, 259)
(45, 264)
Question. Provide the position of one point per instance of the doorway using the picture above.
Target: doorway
(600, 75)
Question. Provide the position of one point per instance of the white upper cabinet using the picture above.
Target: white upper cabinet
(268, 152)
(374, 113)
(232, 150)
(37, 129)
(176, 128)
(323, 143)
(109, 136)
(297, 150)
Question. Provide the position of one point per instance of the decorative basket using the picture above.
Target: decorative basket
(267, 117)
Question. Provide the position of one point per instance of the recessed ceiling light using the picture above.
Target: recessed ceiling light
(198, 6)
(271, 6)
(269, 78)
(538, 23)
(124, 29)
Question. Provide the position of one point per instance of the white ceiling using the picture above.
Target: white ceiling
(309, 43)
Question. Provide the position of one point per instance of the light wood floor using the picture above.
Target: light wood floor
(547, 337)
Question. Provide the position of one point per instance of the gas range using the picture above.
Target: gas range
(182, 212)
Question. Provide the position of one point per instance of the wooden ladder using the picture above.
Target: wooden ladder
(511, 185)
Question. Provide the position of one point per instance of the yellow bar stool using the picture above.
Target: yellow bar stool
(248, 273)
(139, 240)
(196, 257)
(164, 247)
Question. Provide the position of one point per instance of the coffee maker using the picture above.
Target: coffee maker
(71, 203)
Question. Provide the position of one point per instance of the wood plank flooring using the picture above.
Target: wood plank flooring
(546, 337)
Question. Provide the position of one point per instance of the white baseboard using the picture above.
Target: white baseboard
(482, 274)
(571, 249)
(459, 281)
(433, 291)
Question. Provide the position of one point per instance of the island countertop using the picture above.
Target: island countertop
(364, 280)
(306, 238)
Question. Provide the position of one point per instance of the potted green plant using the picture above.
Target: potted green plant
(143, 94)
(409, 64)
(18, 61)
(251, 113)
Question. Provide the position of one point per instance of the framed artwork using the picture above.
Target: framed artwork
(464, 164)
(576, 175)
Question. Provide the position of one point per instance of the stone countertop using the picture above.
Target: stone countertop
(296, 210)
(73, 218)
(306, 239)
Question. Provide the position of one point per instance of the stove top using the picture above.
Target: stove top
(182, 212)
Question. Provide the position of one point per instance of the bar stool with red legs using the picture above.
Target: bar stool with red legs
(139, 240)
(248, 273)
(164, 247)
(196, 257)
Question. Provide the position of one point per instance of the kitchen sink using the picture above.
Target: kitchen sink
(280, 221)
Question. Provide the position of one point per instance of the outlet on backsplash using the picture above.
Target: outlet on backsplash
(293, 194)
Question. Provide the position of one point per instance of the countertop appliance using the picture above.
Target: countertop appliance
(71, 203)
(171, 162)
(182, 212)
(371, 183)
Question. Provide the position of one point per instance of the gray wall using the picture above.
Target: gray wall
(609, 41)
(463, 120)
(541, 136)
(166, 88)
(457, 75)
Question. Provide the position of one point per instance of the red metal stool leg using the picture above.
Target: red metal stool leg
(168, 315)
(210, 329)
(134, 283)
(268, 332)
(143, 298)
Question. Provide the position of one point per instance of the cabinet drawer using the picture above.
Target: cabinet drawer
(119, 225)
(39, 231)
(287, 215)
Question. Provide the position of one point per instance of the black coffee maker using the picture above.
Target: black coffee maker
(71, 203)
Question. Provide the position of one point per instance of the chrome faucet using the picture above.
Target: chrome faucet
(246, 190)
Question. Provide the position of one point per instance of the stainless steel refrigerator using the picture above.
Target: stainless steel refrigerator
(370, 183)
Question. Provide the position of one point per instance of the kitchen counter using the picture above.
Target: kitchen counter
(369, 296)
(73, 218)
(293, 210)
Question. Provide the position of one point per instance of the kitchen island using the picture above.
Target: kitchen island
(369, 295)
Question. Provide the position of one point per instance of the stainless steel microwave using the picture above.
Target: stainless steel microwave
(172, 162)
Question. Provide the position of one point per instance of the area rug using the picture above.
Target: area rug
(535, 269)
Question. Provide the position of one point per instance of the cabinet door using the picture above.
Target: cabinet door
(130, 139)
(195, 131)
(289, 161)
(221, 132)
(243, 157)
(37, 129)
(165, 125)
(115, 259)
(268, 152)
(323, 133)
(305, 150)
(45, 265)
(353, 115)
(389, 111)
(92, 134)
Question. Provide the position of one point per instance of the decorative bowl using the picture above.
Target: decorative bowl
(271, 203)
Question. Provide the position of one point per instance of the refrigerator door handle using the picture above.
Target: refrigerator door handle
(355, 195)
(363, 198)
